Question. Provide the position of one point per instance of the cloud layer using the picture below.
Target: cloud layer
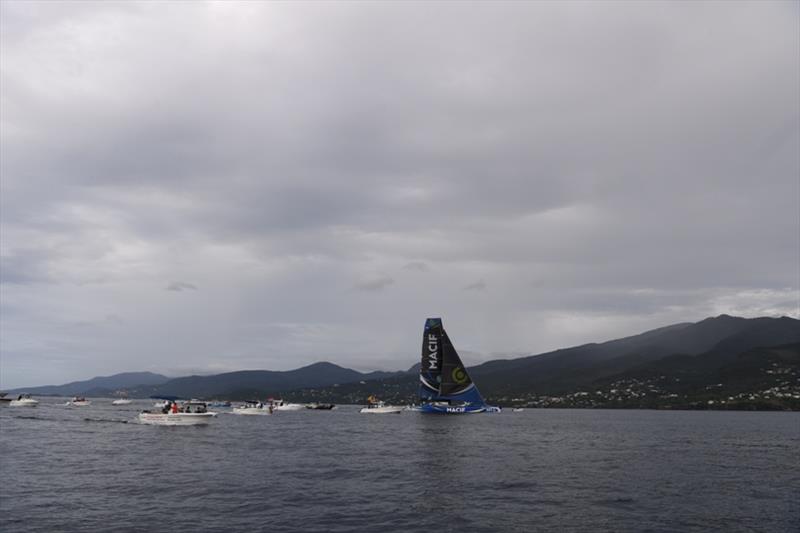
(330, 174)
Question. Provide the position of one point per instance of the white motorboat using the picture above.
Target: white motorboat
(377, 407)
(252, 407)
(122, 401)
(176, 419)
(280, 405)
(381, 409)
(190, 414)
(517, 410)
(79, 401)
(320, 406)
(24, 400)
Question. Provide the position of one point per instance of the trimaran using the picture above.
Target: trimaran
(445, 386)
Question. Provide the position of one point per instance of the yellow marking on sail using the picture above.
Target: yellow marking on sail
(459, 375)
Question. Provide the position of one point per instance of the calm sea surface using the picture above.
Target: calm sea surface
(93, 469)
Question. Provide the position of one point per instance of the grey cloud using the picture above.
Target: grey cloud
(274, 153)
(477, 286)
(24, 266)
(419, 266)
(180, 286)
(375, 284)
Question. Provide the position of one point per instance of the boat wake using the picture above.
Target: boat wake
(106, 420)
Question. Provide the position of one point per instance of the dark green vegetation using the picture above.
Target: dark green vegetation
(719, 363)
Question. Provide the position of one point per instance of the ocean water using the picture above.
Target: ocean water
(94, 469)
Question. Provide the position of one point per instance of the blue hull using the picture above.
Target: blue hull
(456, 409)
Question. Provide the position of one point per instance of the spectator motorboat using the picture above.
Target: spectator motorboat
(280, 405)
(79, 401)
(24, 400)
(377, 407)
(253, 407)
(191, 413)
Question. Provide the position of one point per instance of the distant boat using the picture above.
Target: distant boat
(253, 407)
(24, 400)
(377, 407)
(3, 399)
(79, 401)
(517, 409)
(123, 399)
(280, 405)
(445, 385)
(320, 406)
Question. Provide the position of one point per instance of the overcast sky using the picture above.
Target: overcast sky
(193, 187)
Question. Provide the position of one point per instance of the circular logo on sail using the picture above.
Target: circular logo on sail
(459, 375)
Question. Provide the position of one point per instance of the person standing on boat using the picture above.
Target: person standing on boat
(174, 408)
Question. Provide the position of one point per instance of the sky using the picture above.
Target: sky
(205, 187)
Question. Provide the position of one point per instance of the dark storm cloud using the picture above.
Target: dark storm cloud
(603, 167)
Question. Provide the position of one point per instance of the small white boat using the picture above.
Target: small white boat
(24, 400)
(253, 408)
(381, 409)
(280, 405)
(79, 401)
(190, 414)
(122, 401)
(377, 407)
(517, 410)
(176, 419)
(316, 406)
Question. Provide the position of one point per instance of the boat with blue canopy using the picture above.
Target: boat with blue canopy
(445, 385)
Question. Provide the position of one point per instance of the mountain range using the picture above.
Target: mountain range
(728, 353)
(745, 363)
(244, 383)
(101, 385)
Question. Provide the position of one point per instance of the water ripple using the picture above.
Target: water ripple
(92, 469)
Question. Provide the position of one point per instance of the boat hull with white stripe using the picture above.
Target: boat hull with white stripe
(176, 419)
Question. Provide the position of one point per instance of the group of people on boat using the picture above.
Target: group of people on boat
(173, 407)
